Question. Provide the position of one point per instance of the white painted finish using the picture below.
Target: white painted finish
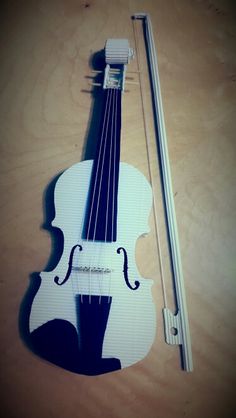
(182, 325)
(118, 51)
(132, 320)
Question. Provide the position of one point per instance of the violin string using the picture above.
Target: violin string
(114, 165)
(109, 168)
(112, 145)
(114, 181)
(148, 146)
(113, 117)
(100, 245)
(98, 164)
(84, 252)
(102, 166)
(102, 170)
(95, 184)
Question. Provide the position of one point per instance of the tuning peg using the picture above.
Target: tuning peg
(95, 84)
(132, 82)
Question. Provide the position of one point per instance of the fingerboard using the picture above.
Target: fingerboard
(101, 212)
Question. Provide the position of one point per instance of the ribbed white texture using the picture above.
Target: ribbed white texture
(169, 201)
(173, 332)
(117, 51)
(131, 325)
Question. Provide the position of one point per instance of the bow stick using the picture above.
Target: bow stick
(176, 326)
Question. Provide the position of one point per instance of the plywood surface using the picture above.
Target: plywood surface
(46, 50)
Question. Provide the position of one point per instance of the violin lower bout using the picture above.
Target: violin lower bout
(96, 321)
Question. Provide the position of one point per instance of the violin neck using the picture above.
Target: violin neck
(101, 216)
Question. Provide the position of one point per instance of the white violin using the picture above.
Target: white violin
(94, 313)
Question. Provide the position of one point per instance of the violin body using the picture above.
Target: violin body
(93, 313)
(96, 277)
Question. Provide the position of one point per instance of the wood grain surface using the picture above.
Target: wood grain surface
(48, 49)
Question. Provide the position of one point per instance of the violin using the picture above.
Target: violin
(94, 313)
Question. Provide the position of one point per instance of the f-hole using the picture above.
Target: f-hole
(125, 270)
(70, 263)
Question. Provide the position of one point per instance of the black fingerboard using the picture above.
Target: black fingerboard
(101, 213)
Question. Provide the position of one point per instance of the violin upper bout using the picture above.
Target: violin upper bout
(70, 195)
(135, 200)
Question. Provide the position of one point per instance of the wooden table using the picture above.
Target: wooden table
(45, 125)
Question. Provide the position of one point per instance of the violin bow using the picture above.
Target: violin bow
(176, 326)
